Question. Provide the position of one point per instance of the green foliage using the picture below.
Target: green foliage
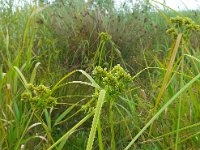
(116, 82)
(153, 106)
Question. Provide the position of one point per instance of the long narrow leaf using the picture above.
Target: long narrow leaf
(21, 76)
(34, 72)
(96, 119)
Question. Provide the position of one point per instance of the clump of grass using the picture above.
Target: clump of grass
(181, 26)
(115, 82)
(48, 113)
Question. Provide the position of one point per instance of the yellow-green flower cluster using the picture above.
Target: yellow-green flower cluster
(39, 97)
(114, 81)
(186, 22)
(105, 36)
(173, 32)
(183, 25)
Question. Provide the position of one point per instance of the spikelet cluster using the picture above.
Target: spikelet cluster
(183, 25)
(39, 97)
(105, 36)
(114, 81)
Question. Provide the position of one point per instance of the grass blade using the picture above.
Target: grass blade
(96, 119)
(34, 72)
(21, 76)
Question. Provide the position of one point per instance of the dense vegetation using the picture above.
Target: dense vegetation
(88, 75)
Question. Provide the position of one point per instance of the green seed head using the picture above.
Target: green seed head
(51, 102)
(30, 87)
(99, 73)
(39, 97)
(105, 36)
(37, 102)
(178, 21)
(114, 81)
(26, 96)
(41, 90)
(182, 25)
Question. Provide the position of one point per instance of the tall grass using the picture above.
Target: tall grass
(63, 88)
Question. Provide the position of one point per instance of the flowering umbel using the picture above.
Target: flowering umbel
(114, 81)
(105, 36)
(39, 97)
(183, 25)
